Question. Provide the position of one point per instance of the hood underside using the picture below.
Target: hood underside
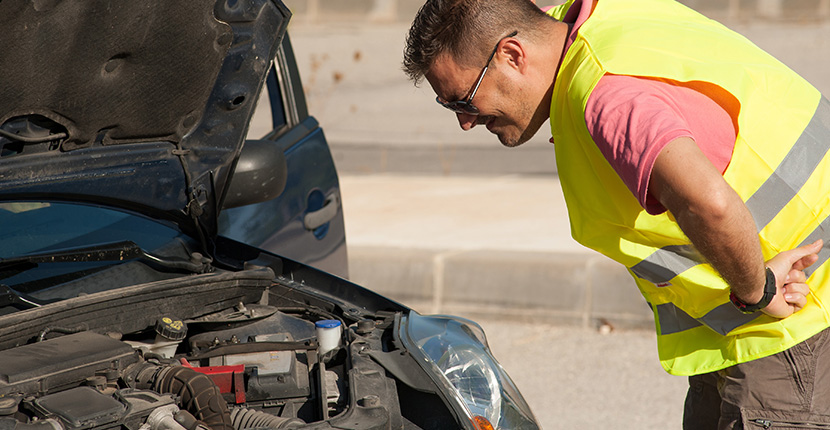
(141, 104)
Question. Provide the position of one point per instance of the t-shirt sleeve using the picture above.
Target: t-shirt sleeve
(632, 119)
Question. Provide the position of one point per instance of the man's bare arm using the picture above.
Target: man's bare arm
(720, 226)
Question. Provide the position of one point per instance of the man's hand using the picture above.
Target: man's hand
(790, 279)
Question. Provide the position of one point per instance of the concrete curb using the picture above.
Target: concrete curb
(547, 287)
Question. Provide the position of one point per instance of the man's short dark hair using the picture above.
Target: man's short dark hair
(466, 29)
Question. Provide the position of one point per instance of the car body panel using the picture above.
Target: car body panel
(278, 225)
(166, 120)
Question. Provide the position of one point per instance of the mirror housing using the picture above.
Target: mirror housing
(260, 175)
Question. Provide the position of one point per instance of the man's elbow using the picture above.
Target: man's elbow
(717, 207)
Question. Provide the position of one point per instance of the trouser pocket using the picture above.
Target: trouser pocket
(767, 424)
(783, 420)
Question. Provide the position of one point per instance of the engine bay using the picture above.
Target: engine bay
(247, 366)
(222, 351)
(244, 367)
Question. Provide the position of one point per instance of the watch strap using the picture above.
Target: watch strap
(769, 292)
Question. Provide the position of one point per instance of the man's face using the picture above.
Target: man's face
(501, 97)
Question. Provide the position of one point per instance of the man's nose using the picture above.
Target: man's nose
(466, 121)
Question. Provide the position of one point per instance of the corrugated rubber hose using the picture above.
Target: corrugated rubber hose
(244, 418)
(198, 394)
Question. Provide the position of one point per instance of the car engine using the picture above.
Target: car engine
(249, 366)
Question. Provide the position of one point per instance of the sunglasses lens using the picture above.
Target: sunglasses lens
(468, 109)
(464, 108)
(459, 106)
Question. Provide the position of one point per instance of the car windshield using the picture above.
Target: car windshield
(39, 228)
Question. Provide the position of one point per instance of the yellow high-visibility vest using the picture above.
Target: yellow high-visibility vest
(779, 168)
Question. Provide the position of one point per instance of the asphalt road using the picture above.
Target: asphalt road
(580, 378)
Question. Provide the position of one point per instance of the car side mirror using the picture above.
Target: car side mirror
(260, 175)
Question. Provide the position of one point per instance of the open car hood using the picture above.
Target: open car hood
(142, 105)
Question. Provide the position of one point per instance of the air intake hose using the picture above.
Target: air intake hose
(198, 394)
(244, 418)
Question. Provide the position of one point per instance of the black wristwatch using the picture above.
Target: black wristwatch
(769, 293)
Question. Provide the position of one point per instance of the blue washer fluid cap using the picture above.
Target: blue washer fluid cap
(327, 324)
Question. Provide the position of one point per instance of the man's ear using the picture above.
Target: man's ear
(512, 53)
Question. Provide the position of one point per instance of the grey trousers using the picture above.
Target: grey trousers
(788, 390)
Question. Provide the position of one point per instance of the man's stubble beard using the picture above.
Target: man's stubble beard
(537, 115)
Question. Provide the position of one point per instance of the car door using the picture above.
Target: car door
(305, 222)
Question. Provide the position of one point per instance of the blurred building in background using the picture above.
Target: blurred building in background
(322, 11)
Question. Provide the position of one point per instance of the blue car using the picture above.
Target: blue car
(165, 266)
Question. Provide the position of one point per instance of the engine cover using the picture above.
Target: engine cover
(56, 364)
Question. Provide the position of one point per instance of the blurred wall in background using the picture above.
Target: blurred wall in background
(403, 10)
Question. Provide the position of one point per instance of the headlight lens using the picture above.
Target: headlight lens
(454, 352)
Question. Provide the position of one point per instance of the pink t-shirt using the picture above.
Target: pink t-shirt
(631, 119)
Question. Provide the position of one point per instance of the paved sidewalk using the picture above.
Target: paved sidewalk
(483, 246)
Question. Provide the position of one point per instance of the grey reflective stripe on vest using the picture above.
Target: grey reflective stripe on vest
(781, 187)
(794, 170)
(822, 232)
(667, 262)
(722, 319)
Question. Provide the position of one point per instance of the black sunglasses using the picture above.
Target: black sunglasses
(466, 107)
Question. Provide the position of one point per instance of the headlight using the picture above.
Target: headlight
(454, 352)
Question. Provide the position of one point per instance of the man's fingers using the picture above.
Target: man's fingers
(805, 262)
(788, 267)
(796, 288)
(797, 302)
(803, 256)
(795, 294)
(796, 275)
